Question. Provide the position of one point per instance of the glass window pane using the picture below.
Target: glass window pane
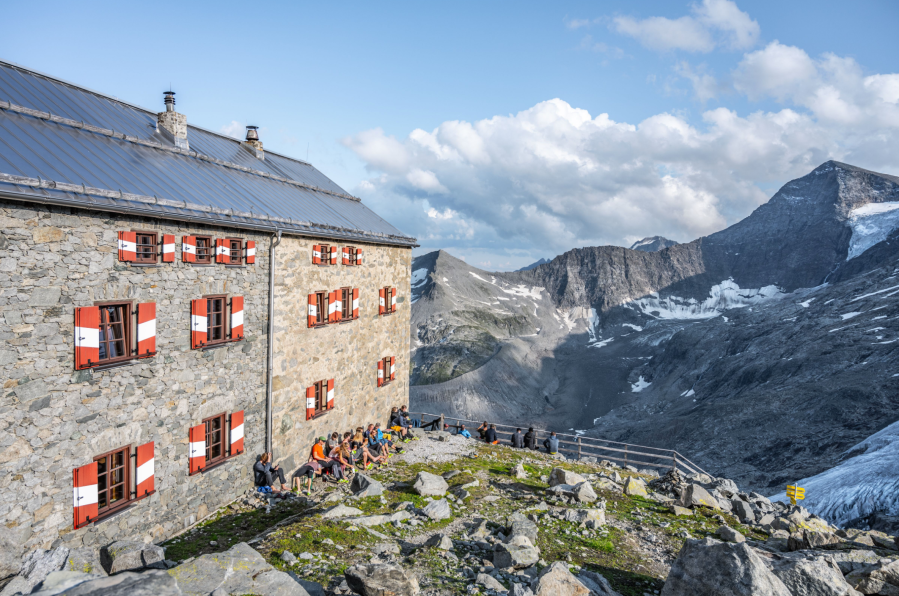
(101, 465)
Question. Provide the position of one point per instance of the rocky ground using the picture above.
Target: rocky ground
(454, 516)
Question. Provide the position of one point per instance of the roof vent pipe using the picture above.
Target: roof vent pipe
(169, 101)
(172, 124)
(253, 143)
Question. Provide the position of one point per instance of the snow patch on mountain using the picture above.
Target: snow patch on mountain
(860, 485)
(871, 224)
(723, 296)
(640, 385)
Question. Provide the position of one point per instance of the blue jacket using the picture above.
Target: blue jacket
(551, 444)
(465, 433)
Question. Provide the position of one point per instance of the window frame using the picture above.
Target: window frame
(325, 250)
(346, 303)
(226, 328)
(127, 499)
(321, 306)
(385, 362)
(127, 332)
(321, 397)
(388, 300)
(352, 258)
(137, 245)
(223, 455)
(210, 250)
(239, 259)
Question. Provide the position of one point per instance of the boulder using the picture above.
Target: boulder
(288, 557)
(491, 583)
(238, 570)
(598, 585)
(523, 527)
(519, 472)
(583, 492)
(520, 590)
(519, 553)
(366, 486)
(377, 520)
(441, 541)
(728, 488)
(680, 511)
(129, 555)
(313, 588)
(36, 566)
(853, 560)
(60, 581)
(341, 511)
(696, 496)
(808, 539)
(711, 568)
(811, 577)
(876, 579)
(479, 531)
(154, 582)
(381, 580)
(10, 555)
(556, 580)
(386, 548)
(580, 516)
(430, 485)
(728, 534)
(743, 511)
(562, 476)
(606, 484)
(438, 510)
(881, 540)
(634, 487)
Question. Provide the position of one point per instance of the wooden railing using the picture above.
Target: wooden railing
(639, 456)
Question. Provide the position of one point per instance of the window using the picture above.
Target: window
(145, 247)
(205, 249)
(321, 397)
(326, 254)
(113, 488)
(115, 332)
(321, 307)
(215, 316)
(346, 304)
(386, 300)
(235, 247)
(215, 438)
(384, 370)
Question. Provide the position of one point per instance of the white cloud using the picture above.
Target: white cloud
(234, 129)
(705, 86)
(714, 23)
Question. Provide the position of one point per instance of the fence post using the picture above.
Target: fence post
(442, 420)
(579, 448)
(675, 461)
(625, 455)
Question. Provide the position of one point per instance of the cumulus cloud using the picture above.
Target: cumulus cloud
(234, 129)
(714, 23)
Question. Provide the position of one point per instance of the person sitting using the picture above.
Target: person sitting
(410, 423)
(307, 473)
(530, 439)
(464, 432)
(385, 441)
(551, 443)
(342, 462)
(397, 424)
(326, 463)
(332, 442)
(518, 439)
(490, 435)
(482, 430)
(265, 474)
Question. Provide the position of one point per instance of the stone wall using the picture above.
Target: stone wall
(54, 418)
(346, 352)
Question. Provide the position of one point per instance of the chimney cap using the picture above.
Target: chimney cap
(252, 135)
(169, 100)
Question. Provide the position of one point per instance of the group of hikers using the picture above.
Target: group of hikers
(527, 440)
(338, 456)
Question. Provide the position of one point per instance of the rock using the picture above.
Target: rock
(386, 548)
(583, 492)
(520, 590)
(728, 534)
(881, 540)
(377, 520)
(341, 511)
(696, 496)
(441, 541)
(562, 476)
(381, 580)
(598, 585)
(127, 555)
(523, 527)
(728, 488)
(451, 474)
(479, 531)
(60, 581)
(438, 510)
(607, 484)
(312, 588)
(10, 555)
(36, 566)
(556, 580)
(366, 486)
(878, 579)
(519, 472)
(519, 553)
(580, 516)
(154, 582)
(288, 557)
(811, 577)
(743, 511)
(490, 583)
(680, 511)
(854, 560)
(711, 568)
(634, 487)
(84, 560)
(430, 485)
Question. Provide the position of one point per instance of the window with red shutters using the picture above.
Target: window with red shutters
(235, 248)
(352, 251)
(346, 304)
(113, 480)
(205, 249)
(115, 332)
(321, 396)
(215, 439)
(216, 327)
(385, 363)
(326, 254)
(321, 306)
(388, 300)
(146, 247)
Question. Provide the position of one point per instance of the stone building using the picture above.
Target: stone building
(137, 253)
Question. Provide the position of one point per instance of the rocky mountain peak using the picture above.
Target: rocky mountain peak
(652, 244)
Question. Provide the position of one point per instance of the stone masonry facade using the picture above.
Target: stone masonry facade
(346, 352)
(54, 418)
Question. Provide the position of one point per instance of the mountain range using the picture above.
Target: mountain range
(766, 352)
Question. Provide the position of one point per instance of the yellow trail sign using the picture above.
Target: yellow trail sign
(795, 493)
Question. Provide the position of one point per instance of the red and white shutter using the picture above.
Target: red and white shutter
(310, 402)
(196, 450)
(237, 433)
(346, 255)
(355, 303)
(332, 302)
(338, 306)
(168, 248)
(333, 255)
(393, 300)
(198, 323)
(127, 246)
(236, 318)
(85, 494)
(146, 329)
(145, 470)
(87, 336)
(312, 314)
(380, 372)
(222, 252)
(392, 368)
(316, 254)
(251, 252)
(189, 249)
(358, 256)
(382, 301)
(330, 393)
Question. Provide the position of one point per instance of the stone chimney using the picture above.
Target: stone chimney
(253, 143)
(172, 124)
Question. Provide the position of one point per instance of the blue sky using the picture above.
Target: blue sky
(710, 105)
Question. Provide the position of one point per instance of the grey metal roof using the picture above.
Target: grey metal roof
(66, 145)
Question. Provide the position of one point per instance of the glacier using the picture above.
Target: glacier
(722, 296)
(871, 224)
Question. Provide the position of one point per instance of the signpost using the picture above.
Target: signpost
(795, 493)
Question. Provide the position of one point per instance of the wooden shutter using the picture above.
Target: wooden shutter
(316, 254)
(393, 368)
(355, 303)
(333, 255)
(338, 306)
(330, 393)
(145, 470)
(237, 433)
(87, 336)
(380, 372)
(127, 246)
(332, 301)
(146, 329)
(382, 301)
(85, 494)
(346, 255)
(312, 315)
(310, 402)
(198, 323)
(251, 252)
(189, 249)
(168, 248)
(236, 318)
(222, 251)
(196, 451)
(358, 256)
(393, 300)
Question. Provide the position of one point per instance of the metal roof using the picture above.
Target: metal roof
(66, 145)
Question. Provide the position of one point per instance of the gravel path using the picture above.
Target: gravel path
(427, 450)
